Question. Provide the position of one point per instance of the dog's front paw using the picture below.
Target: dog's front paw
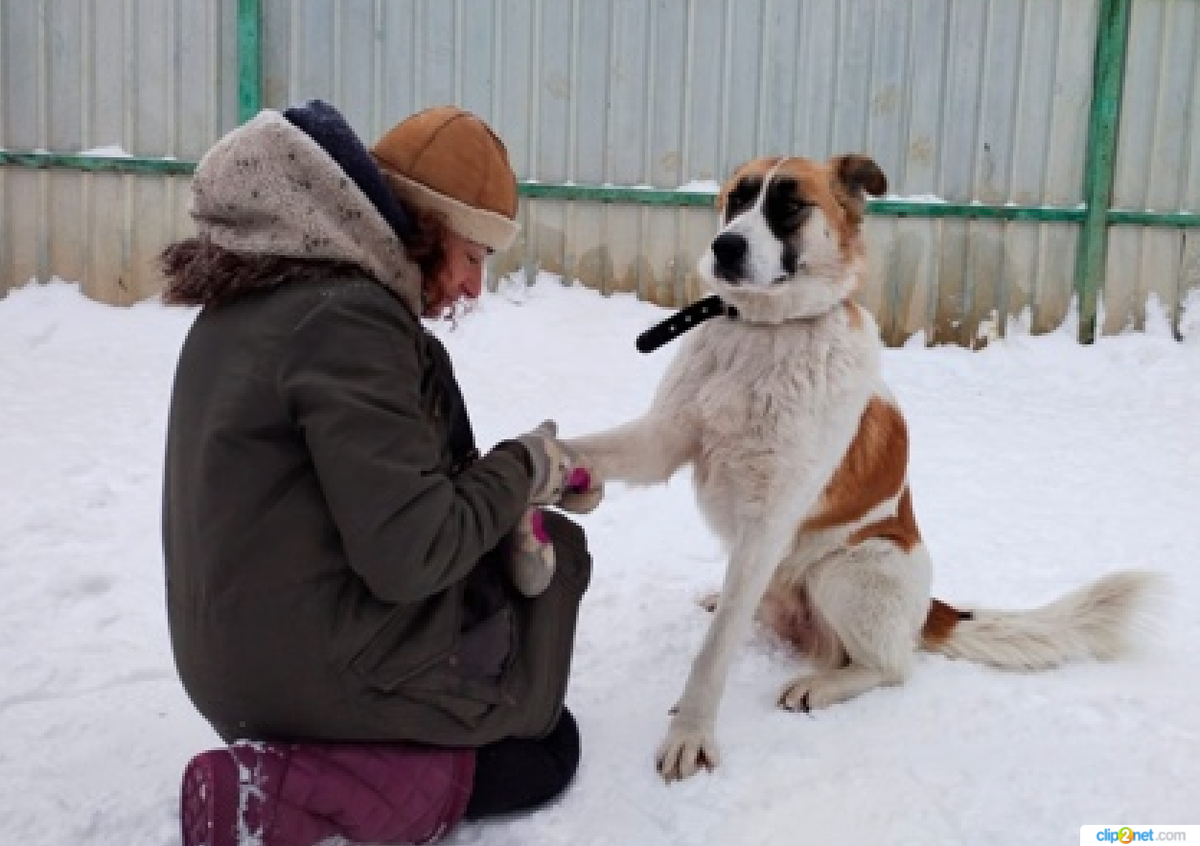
(687, 747)
(710, 601)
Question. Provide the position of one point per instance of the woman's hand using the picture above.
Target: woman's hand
(560, 475)
(584, 488)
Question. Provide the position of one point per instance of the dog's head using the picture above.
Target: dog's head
(790, 242)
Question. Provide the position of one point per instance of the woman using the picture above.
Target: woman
(337, 551)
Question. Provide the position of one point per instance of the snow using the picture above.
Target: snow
(700, 186)
(1037, 464)
(913, 198)
(114, 151)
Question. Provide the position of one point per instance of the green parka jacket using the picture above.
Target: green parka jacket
(332, 539)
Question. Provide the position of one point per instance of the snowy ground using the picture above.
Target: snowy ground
(1037, 464)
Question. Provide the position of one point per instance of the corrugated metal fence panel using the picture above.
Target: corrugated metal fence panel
(1158, 162)
(152, 77)
(969, 100)
(994, 107)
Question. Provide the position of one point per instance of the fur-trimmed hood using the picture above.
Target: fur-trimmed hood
(268, 192)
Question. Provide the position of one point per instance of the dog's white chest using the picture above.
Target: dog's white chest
(775, 407)
(761, 389)
(759, 411)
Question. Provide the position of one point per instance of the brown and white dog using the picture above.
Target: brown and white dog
(799, 456)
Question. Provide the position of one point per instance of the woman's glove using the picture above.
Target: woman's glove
(561, 476)
(531, 554)
(584, 488)
(549, 465)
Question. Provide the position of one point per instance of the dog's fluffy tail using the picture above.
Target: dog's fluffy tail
(1096, 621)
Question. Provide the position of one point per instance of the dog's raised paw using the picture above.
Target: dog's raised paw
(710, 601)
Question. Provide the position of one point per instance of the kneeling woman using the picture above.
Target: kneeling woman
(337, 551)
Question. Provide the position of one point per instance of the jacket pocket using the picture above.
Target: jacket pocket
(471, 680)
(412, 641)
(475, 669)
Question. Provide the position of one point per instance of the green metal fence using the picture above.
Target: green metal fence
(1094, 215)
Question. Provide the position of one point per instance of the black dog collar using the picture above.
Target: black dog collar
(683, 320)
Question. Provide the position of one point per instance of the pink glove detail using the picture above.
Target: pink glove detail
(531, 556)
(537, 524)
(579, 480)
(583, 487)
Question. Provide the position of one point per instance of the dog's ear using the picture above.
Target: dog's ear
(719, 200)
(855, 176)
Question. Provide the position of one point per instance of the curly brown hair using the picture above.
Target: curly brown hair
(427, 248)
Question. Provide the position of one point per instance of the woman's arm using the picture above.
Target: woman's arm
(351, 377)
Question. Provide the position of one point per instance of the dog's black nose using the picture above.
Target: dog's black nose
(729, 248)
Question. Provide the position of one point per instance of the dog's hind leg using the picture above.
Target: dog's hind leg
(874, 597)
(820, 690)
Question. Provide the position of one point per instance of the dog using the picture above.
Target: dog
(799, 457)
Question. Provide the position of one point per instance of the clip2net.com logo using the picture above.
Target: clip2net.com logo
(1091, 834)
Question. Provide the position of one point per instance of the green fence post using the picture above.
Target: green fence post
(249, 47)
(1108, 80)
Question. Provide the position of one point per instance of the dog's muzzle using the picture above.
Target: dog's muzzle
(729, 257)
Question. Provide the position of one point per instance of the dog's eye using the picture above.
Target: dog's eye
(795, 207)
